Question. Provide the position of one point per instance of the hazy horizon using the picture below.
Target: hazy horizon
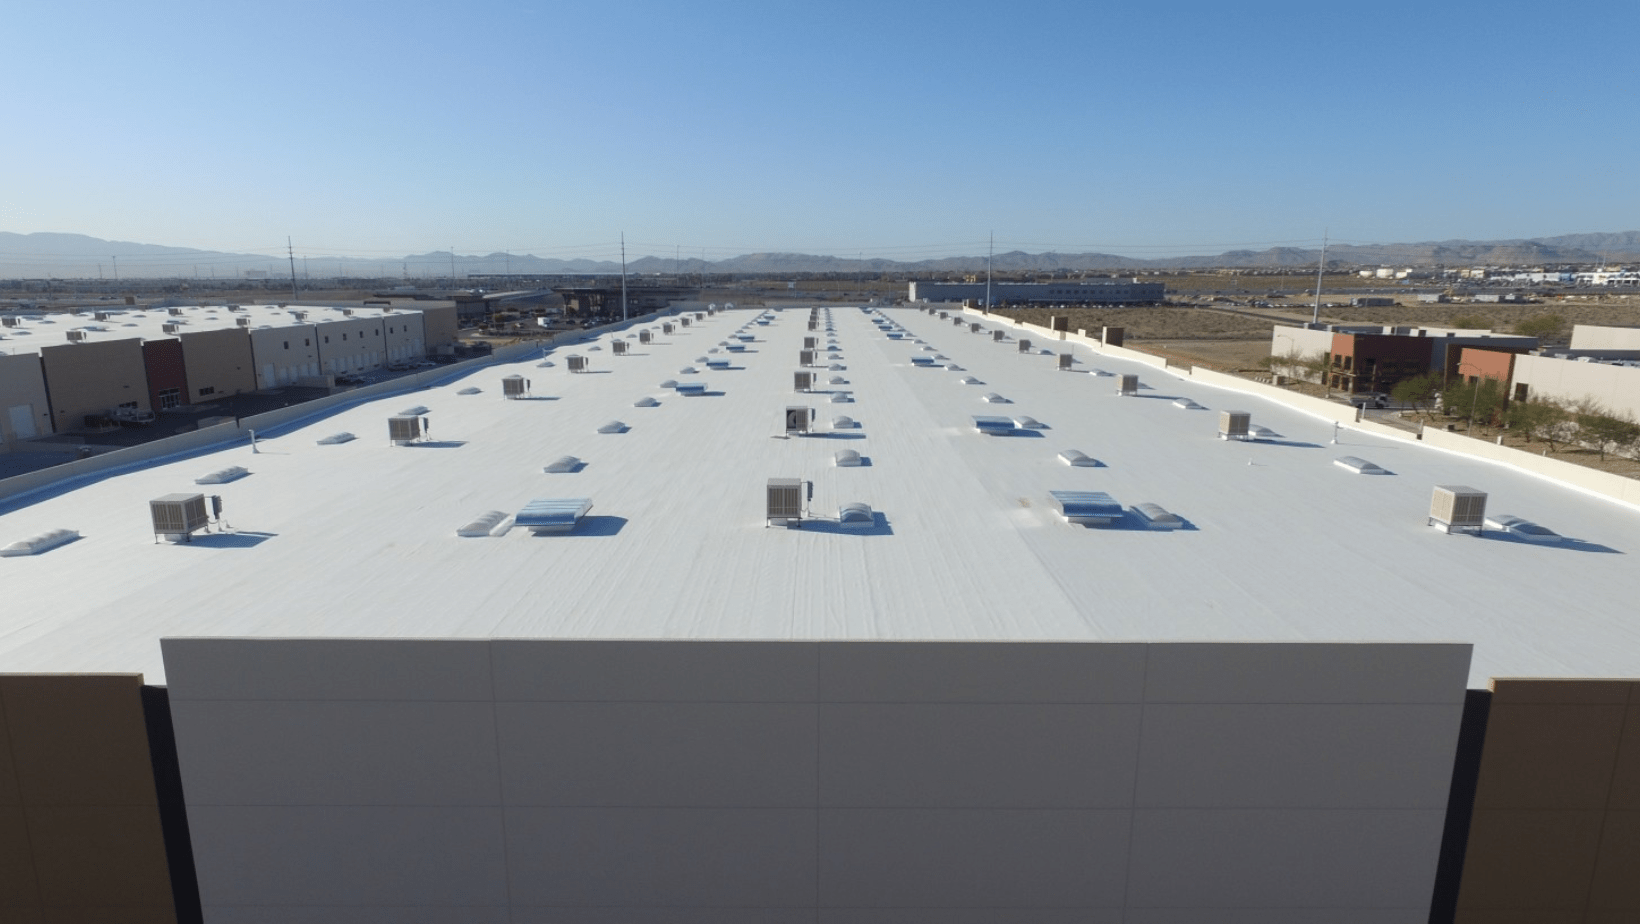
(905, 131)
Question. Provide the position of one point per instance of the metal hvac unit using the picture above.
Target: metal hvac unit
(576, 363)
(347, 312)
(76, 336)
(1024, 345)
(170, 328)
(1065, 360)
(814, 325)
(403, 430)
(515, 386)
(1458, 508)
(242, 322)
(944, 315)
(619, 347)
(802, 381)
(1127, 386)
(785, 502)
(805, 357)
(1235, 425)
(799, 419)
(643, 336)
(8, 321)
(174, 312)
(666, 328)
(997, 335)
(700, 315)
(809, 343)
(683, 321)
(99, 315)
(177, 516)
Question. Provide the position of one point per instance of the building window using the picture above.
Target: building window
(306, 342)
(327, 338)
(207, 390)
(287, 344)
(169, 398)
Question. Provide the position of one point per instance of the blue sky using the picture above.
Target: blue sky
(898, 129)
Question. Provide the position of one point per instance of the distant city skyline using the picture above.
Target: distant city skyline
(907, 131)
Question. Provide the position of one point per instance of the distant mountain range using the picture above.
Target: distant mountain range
(76, 256)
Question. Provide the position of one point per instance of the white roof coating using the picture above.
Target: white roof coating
(36, 330)
(358, 539)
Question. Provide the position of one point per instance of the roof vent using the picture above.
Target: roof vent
(484, 526)
(855, 516)
(1187, 404)
(691, 389)
(688, 370)
(970, 380)
(552, 514)
(1078, 458)
(1029, 423)
(1128, 386)
(337, 438)
(702, 359)
(471, 390)
(645, 401)
(562, 465)
(1523, 529)
(223, 476)
(953, 367)
(669, 383)
(594, 347)
(844, 423)
(785, 502)
(44, 542)
(1458, 508)
(1089, 508)
(614, 426)
(177, 516)
(846, 458)
(515, 386)
(1155, 517)
(1234, 425)
(993, 426)
(842, 397)
(837, 380)
(924, 361)
(416, 411)
(1359, 466)
(717, 363)
(994, 398)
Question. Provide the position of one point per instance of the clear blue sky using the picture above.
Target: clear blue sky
(900, 129)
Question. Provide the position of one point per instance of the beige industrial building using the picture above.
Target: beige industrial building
(217, 362)
(23, 399)
(93, 378)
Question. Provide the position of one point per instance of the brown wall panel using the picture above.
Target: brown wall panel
(80, 831)
(1556, 829)
(163, 359)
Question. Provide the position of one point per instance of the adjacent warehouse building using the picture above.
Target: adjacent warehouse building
(1068, 292)
(961, 707)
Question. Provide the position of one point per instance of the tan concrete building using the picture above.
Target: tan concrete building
(94, 378)
(1616, 388)
(284, 354)
(350, 344)
(25, 408)
(403, 332)
(440, 327)
(218, 362)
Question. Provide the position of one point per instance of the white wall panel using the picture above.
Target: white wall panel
(969, 858)
(644, 856)
(594, 671)
(977, 755)
(658, 754)
(338, 753)
(1297, 756)
(964, 672)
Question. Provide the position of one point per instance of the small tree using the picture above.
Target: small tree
(1418, 391)
(1480, 400)
(1470, 322)
(1602, 428)
(1540, 418)
(1543, 327)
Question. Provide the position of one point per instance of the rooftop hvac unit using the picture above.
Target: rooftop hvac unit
(515, 386)
(170, 328)
(174, 312)
(403, 430)
(1024, 345)
(802, 381)
(944, 315)
(805, 357)
(99, 315)
(785, 502)
(1458, 508)
(78, 336)
(799, 419)
(809, 343)
(347, 312)
(1065, 361)
(974, 328)
(666, 328)
(643, 336)
(242, 322)
(683, 321)
(619, 347)
(8, 321)
(700, 315)
(814, 325)
(577, 363)
(1235, 425)
(177, 516)
(1128, 386)
(299, 315)
(997, 335)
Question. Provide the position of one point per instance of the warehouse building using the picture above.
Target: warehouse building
(1067, 292)
(378, 695)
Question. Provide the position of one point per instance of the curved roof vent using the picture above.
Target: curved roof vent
(688, 370)
(1029, 423)
(843, 423)
(1359, 465)
(970, 380)
(846, 458)
(34, 545)
(1155, 517)
(855, 516)
(614, 426)
(993, 425)
(645, 401)
(1522, 528)
(416, 411)
(1078, 458)
(1091, 508)
(471, 390)
(837, 380)
(1187, 404)
(994, 398)
(223, 476)
(561, 465)
(953, 367)
(842, 397)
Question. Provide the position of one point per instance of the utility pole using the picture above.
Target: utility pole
(291, 252)
(1319, 270)
(116, 269)
(623, 276)
(989, 253)
(452, 266)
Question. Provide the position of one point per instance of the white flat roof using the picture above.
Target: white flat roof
(359, 539)
(36, 330)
